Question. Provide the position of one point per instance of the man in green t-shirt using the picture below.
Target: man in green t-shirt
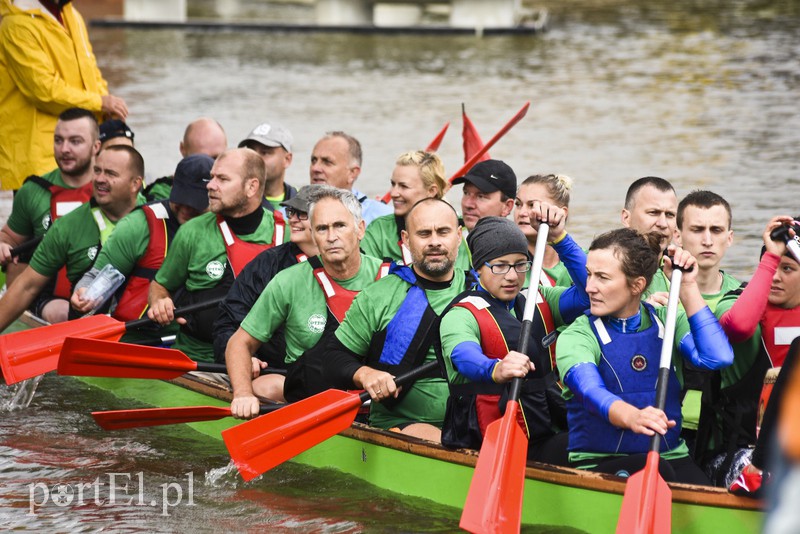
(140, 241)
(273, 143)
(650, 207)
(308, 300)
(392, 325)
(211, 249)
(75, 145)
(74, 239)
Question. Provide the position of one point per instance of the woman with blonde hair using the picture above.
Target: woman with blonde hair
(417, 175)
(553, 189)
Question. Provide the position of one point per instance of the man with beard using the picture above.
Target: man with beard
(391, 327)
(73, 240)
(46, 66)
(273, 143)
(651, 205)
(212, 249)
(43, 199)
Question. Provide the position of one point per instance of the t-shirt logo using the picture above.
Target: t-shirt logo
(46, 221)
(316, 323)
(91, 252)
(215, 269)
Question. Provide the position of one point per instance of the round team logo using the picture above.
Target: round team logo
(91, 252)
(316, 323)
(639, 363)
(46, 221)
(215, 269)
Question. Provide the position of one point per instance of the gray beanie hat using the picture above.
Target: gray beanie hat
(493, 237)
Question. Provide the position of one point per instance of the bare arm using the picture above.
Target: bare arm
(238, 358)
(162, 309)
(20, 295)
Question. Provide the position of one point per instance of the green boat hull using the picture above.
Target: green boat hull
(553, 496)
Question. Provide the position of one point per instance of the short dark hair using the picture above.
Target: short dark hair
(652, 181)
(639, 254)
(136, 160)
(703, 199)
(73, 114)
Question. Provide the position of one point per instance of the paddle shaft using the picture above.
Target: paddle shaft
(26, 246)
(667, 348)
(489, 144)
(205, 367)
(407, 378)
(530, 304)
(185, 310)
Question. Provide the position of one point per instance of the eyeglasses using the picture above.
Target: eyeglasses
(301, 215)
(503, 268)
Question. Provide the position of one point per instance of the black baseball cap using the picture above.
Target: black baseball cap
(189, 183)
(490, 176)
(114, 128)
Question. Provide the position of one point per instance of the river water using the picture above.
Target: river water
(703, 93)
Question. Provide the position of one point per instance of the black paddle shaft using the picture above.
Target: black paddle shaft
(407, 378)
(133, 325)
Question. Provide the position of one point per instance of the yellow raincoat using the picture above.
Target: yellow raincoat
(45, 68)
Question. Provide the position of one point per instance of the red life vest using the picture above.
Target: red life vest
(162, 225)
(240, 252)
(494, 344)
(62, 201)
(338, 298)
(779, 326)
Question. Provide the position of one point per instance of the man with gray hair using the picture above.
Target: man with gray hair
(336, 161)
(308, 311)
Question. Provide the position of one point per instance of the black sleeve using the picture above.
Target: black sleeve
(240, 298)
(340, 364)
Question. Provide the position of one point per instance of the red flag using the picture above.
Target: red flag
(472, 139)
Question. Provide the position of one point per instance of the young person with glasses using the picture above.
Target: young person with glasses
(480, 334)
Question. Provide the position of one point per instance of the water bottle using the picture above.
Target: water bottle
(103, 286)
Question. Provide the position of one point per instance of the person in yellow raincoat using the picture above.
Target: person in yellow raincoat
(46, 66)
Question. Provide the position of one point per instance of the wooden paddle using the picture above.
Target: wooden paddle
(97, 357)
(647, 503)
(121, 419)
(34, 352)
(433, 146)
(259, 445)
(494, 500)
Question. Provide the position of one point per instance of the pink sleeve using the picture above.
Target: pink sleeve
(741, 320)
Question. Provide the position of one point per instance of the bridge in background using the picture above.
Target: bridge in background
(479, 14)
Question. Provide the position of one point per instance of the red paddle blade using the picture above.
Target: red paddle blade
(259, 445)
(93, 357)
(34, 352)
(120, 419)
(494, 501)
(647, 503)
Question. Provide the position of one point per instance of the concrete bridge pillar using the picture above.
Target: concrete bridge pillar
(484, 13)
(172, 10)
(387, 15)
(343, 12)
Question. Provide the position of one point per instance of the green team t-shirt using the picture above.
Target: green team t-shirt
(459, 325)
(126, 245)
(426, 399)
(693, 397)
(30, 214)
(72, 241)
(381, 240)
(295, 299)
(578, 344)
(744, 353)
(197, 260)
(659, 283)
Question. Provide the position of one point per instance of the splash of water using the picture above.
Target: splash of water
(21, 394)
